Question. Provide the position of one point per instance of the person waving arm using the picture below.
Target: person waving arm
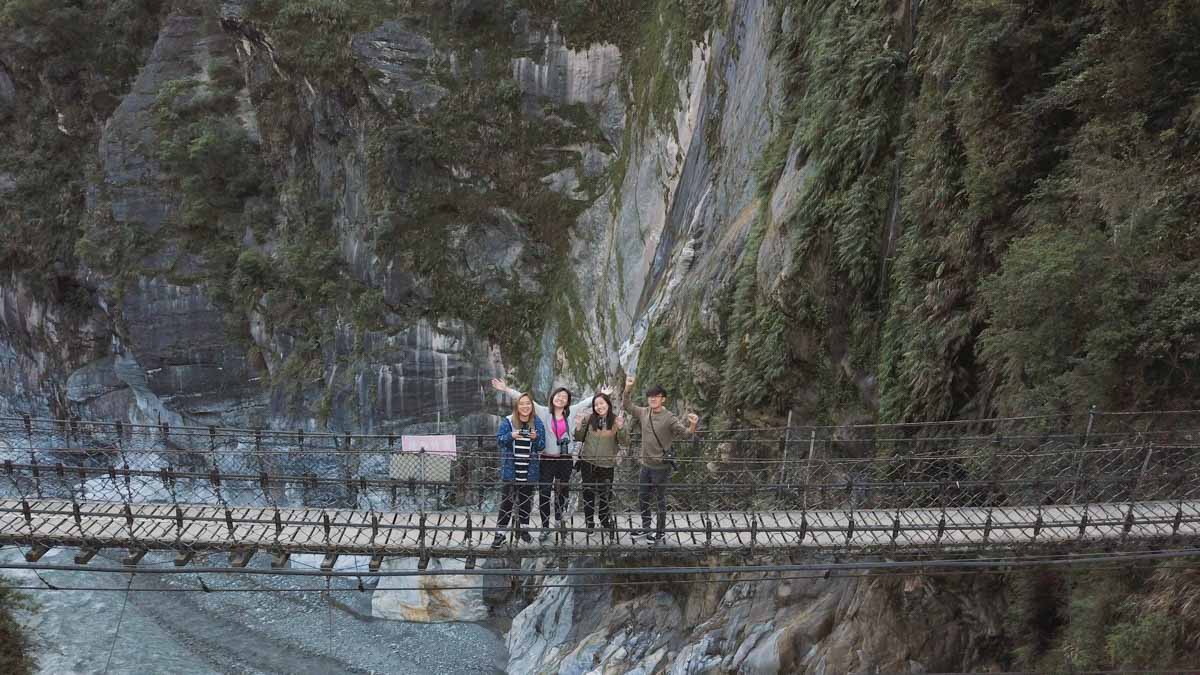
(693, 421)
(627, 400)
(584, 406)
(513, 394)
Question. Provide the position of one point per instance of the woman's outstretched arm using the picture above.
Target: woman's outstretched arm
(513, 394)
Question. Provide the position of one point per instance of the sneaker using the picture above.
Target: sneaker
(498, 541)
(524, 536)
(653, 538)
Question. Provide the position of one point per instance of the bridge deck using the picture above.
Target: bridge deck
(54, 522)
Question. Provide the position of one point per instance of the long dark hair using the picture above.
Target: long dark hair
(610, 420)
(566, 411)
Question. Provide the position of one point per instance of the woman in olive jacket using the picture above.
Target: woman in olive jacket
(601, 434)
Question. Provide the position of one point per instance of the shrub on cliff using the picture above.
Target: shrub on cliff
(15, 657)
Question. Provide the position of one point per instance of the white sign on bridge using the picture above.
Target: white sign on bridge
(424, 458)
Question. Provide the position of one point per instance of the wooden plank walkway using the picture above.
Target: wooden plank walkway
(53, 522)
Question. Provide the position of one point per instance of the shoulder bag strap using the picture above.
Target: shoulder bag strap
(650, 419)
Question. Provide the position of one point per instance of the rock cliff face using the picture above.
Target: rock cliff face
(350, 216)
(211, 272)
(666, 238)
(159, 344)
(652, 236)
(856, 624)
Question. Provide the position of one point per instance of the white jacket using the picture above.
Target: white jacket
(543, 414)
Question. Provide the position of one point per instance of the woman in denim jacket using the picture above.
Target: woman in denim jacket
(521, 439)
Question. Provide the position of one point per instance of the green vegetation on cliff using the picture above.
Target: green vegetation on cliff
(15, 656)
(70, 63)
(1049, 248)
(998, 214)
(237, 145)
(1139, 618)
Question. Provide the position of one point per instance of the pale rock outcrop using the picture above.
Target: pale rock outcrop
(569, 75)
(429, 599)
(589, 76)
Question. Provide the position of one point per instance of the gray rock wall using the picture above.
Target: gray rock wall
(804, 626)
(648, 249)
(40, 344)
(165, 351)
(662, 242)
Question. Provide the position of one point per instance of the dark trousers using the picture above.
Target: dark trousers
(522, 494)
(653, 482)
(554, 470)
(597, 492)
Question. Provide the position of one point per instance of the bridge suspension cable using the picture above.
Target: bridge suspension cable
(195, 490)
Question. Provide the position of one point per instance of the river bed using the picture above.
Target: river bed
(271, 629)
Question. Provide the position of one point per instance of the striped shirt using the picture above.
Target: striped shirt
(522, 450)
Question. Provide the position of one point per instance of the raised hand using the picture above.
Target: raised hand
(499, 385)
(629, 382)
(693, 419)
(606, 389)
(620, 423)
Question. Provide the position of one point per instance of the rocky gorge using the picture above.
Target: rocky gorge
(350, 216)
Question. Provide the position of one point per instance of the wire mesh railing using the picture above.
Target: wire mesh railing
(980, 467)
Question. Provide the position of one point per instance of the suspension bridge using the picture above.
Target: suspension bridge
(1122, 482)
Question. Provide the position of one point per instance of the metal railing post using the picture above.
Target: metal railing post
(1082, 452)
(787, 433)
(812, 450)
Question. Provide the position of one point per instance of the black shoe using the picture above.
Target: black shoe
(653, 538)
(609, 525)
(498, 541)
(524, 536)
(590, 526)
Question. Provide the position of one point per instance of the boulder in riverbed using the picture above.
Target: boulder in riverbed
(429, 599)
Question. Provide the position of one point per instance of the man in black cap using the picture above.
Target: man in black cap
(659, 430)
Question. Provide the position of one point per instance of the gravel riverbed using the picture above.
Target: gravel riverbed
(167, 631)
